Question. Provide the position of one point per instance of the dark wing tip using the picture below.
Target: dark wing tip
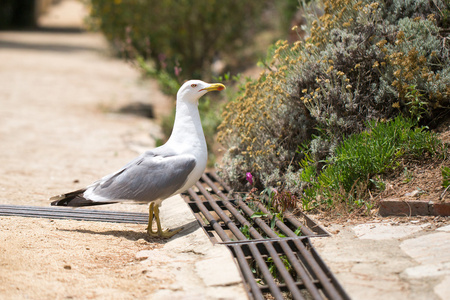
(68, 199)
(75, 199)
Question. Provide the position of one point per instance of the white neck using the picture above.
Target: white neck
(187, 133)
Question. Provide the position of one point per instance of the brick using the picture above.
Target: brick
(396, 207)
(440, 209)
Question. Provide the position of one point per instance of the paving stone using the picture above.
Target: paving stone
(429, 249)
(428, 270)
(218, 271)
(386, 261)
(380, 231)
(443, 288)
(198, 269)
(444, 228)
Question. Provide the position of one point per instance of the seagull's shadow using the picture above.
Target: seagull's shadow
(135, 236)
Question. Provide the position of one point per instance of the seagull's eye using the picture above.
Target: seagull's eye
(193, 85)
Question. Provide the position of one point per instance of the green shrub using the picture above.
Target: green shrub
(360, 67)
(354, 162)
(356, 65)
(399, 9)
(179, 36)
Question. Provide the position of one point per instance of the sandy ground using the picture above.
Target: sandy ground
(58, 132)
(55, 259)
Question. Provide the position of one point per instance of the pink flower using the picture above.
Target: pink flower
(177, 71)
(162, 60)
(249, 177)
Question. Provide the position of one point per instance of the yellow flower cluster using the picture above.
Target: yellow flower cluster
(336, 16)
(408, 67)
(252, 116)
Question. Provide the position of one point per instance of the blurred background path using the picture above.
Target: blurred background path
(59, 89)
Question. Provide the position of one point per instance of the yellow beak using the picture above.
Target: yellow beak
(214, 87)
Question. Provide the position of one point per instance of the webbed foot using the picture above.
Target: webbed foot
(154, 211)
(164, 233)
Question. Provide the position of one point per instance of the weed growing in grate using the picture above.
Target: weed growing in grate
(274, 272)
(246, 231)
(267, 206)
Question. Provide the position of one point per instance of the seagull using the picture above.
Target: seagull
(159, 173)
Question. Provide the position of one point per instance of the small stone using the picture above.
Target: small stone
(144, 254)
(142, 242)
(412, 194)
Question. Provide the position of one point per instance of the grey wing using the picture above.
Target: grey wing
(149, 177)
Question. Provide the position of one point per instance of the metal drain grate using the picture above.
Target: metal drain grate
(74, 214)
(274, 260)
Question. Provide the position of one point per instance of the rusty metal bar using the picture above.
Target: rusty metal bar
(289, 281)
(229, 223)
(229, 206)
(307, 281)
(276, 292)
(247, 273)
(217, 227)
(309, 260)
(288, 252)
(289, 216)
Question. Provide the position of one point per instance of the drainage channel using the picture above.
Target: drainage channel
(275, 257)
(78, 214)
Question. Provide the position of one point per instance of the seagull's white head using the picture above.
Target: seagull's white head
(192, 90)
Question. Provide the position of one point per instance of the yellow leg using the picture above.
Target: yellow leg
(154, 211)
(150, 220)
